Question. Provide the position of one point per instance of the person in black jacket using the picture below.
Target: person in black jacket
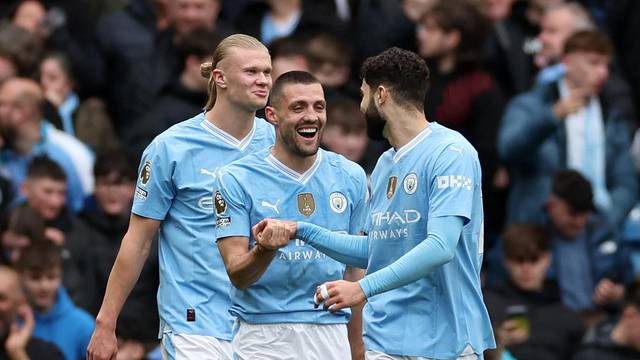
(108, 215)
(529, 318)
(183, 98)
(616, 339)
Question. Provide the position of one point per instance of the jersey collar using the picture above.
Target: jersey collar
(412, 144)
(284, 169)
(228, 138)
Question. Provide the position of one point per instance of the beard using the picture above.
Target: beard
(375, 122)
(289, 140)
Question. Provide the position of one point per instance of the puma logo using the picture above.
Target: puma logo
(210, 173)
(272, 206)
(456, 149)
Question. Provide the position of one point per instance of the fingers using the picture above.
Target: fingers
(259, 227)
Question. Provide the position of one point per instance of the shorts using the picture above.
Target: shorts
(187, 347)
(467, 354)
(291, 341)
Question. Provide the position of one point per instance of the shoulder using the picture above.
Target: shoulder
(264, 130)
(40, 349)
(344, 165)
(448, 142)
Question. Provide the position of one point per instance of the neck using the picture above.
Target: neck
(447, 63)
(405, 126)
(281, 10)
(231, 118)
(297, 163)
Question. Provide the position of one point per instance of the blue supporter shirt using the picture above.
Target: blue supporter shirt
(175, 185)
(436, 174)
(332, 194)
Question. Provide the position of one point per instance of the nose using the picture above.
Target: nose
(263, 78)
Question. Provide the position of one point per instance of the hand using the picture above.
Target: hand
(54, 235)
(509, 333)
(342, 294)
(103, 344)
(275, 235)
(292, 227)
(607, 292)
(571, 104)
(19, 335)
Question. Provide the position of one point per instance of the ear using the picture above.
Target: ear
(381, 95)
(219, 78)
(269, 112)
(24, 188)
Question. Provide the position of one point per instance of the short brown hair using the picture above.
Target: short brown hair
(588, 41)
(40, 258)
(525, 242)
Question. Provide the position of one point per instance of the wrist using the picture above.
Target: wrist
(261, 250)
(105, 322)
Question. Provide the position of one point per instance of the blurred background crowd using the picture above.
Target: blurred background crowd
(546, 90)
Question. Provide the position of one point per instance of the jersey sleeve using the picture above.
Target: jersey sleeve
(361, 206)
(452, 183)
(231, 206)
(155, 190)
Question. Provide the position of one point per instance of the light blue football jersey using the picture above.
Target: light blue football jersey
(436, 174)
(175, 185)
(332, 194)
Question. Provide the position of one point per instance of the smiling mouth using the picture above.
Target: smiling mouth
(307, 133)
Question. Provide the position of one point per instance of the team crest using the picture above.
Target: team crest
(306, 204)
(391, 186)
(410, 183)
(338, 202)
(221, 205)
(145, 173)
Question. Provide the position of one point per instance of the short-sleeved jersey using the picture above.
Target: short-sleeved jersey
(332, 194)
(436, 174)
(175, 185)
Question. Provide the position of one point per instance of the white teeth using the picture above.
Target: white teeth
(308, 131)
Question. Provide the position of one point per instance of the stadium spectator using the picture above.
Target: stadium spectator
(26, 134)
(617, 338)
(590, 264)
(57, 319)
(559, 22)
(17, 323)
(273, 19)
(569, 124)
(288, 54)
(346, 134)
(19, 51)
(45, 188)
(546, 328)
(330, 62)
(115, 175)
(86, 120)
(184, 97)
(22, 228)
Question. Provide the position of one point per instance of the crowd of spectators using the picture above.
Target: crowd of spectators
(546, 90)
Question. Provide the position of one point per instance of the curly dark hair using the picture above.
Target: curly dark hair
(403, 71)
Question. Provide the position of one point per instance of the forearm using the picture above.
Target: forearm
(348, 249)
(122, 279)
(354, 327)
(245, 269)
(436, 250)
